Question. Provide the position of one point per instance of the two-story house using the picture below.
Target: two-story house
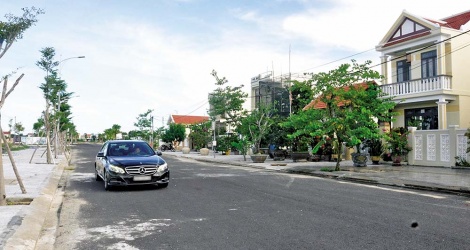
(426, 64)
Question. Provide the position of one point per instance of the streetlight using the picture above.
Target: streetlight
(58, 104)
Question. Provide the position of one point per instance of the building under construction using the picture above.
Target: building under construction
(266, 91)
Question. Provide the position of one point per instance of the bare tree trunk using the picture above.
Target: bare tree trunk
(5, 94)
(3, 195)
(15, 169)
(48, 141)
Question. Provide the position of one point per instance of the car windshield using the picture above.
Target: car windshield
(129, 149)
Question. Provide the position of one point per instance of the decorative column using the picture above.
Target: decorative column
(442, 113)
(441, 58)
(412, 142)
(385, 63)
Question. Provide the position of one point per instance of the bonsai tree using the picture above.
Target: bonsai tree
(348, 104)
(376, 148)
(256, 125)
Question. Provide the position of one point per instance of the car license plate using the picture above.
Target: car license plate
(142, 178)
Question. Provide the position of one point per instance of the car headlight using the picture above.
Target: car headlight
(162, 168)
(115, 169)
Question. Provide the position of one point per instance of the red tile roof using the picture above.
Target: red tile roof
(187, 119)
(453, 22)
(318, 104)
(456, 21)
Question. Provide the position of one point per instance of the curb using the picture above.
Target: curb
(31, 229)
(401, 184)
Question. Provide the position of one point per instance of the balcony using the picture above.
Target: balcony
(423, 85)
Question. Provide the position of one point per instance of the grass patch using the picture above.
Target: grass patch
(18, 201)
(325, 169)
(15, 147)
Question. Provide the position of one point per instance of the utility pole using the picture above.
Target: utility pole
(290, 92)
(151, 131)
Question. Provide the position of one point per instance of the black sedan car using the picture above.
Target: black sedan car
(130, 162)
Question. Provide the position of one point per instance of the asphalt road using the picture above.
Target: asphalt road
(210, 206)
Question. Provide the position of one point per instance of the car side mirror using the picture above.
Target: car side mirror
(159, 153)
(100, 154)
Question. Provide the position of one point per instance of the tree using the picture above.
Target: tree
(297, 125)
(351, 103)
(144, 123)
(256, 125)
(175, 133)
(38, 126)
(50, 91)
(302, 93)
(11, 31)
(18, 128)
(226, 102)
(115, 129)
(200, 134)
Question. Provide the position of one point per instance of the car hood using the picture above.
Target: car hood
(135, 161)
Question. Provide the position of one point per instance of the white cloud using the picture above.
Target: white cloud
(133, 64)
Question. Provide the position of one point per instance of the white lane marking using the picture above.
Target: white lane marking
(395, 190)
(84, 177)
(290, 182)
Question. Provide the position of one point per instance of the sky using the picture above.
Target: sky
(159, 54)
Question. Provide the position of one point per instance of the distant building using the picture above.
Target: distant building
(187, 120)
(268, 92)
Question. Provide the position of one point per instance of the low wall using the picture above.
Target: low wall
(33, 140)
(437, 147)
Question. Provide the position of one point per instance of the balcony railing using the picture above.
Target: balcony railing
(441, 82)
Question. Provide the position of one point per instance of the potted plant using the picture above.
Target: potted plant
(376, 149)
(301, 149)
(254, 127)
(397, 143)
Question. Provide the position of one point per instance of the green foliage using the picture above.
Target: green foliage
(224, 142)
(226, 102)
(351, 104)
(303, 129)
(242, 146)
(13, 29)
(397, 141)
(376, 146)
(144, 124)
(200, 134)
(175, 132)
(301, 95)
(14, 147)
(18, 128)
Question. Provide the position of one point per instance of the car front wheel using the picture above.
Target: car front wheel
(105, 180)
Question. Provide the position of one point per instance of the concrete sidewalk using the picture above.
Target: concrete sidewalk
(23, 226)
(441, 179)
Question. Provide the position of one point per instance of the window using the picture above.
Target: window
(422, 118)
(403, 71)
(428, 64)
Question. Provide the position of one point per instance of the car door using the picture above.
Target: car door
(100, 159)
